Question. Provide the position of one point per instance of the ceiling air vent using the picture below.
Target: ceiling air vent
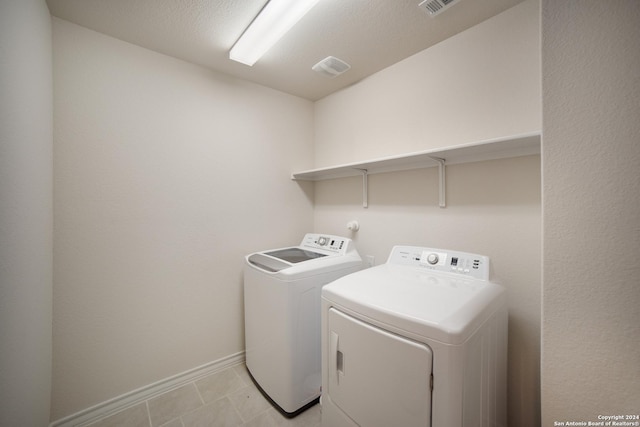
(435, 7)
(331, 66)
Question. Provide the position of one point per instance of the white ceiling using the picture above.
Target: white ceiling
(368, 34)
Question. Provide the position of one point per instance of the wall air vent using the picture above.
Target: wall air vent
(435, 7)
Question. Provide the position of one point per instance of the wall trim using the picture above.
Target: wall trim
(132, 398)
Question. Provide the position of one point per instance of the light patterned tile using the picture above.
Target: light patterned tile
(220, 413)
(309, 418)
(135, 416)
(272, 418)
(220, 384)
(265, 419)
(175, 423)
(173, 404)
(243, 373)
(249, 402)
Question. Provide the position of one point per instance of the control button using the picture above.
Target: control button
(322, 241)
(432, 259)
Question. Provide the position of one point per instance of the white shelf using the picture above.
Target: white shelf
(500, 148)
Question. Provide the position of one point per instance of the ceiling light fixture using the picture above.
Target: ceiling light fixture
(273, 21)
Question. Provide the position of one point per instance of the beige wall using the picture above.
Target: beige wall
(481, 84)
(591, 198)
(166, 175)
(26, 209)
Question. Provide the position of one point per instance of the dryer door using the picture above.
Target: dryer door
(378, 378)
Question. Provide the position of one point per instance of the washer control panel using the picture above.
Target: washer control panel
(327, 242)
(442, 260)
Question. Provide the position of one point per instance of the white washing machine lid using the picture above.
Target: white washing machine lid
(295, 255)
(424, 303)
(316, 254)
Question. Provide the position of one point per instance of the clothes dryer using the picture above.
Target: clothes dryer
(282, 316)
(419, 341)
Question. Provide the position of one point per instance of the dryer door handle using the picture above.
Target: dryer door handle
(337, 357)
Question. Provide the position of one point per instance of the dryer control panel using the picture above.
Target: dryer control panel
(443, 260)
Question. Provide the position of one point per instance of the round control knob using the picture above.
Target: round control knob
(323, 241)
(432, 259)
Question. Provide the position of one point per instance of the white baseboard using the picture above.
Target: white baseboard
(117, 404)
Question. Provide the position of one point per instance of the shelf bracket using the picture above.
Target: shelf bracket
(442, 197)
(365, 188)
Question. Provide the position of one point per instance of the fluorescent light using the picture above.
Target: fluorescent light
(275, 19)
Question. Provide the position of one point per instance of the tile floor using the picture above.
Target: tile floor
(225, 399)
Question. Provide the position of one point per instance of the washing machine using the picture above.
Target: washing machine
(418, 341)
(282, 316)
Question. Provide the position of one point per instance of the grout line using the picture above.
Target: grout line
(199, 394)
(243, 422)
(228, 396)
(146, 404)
